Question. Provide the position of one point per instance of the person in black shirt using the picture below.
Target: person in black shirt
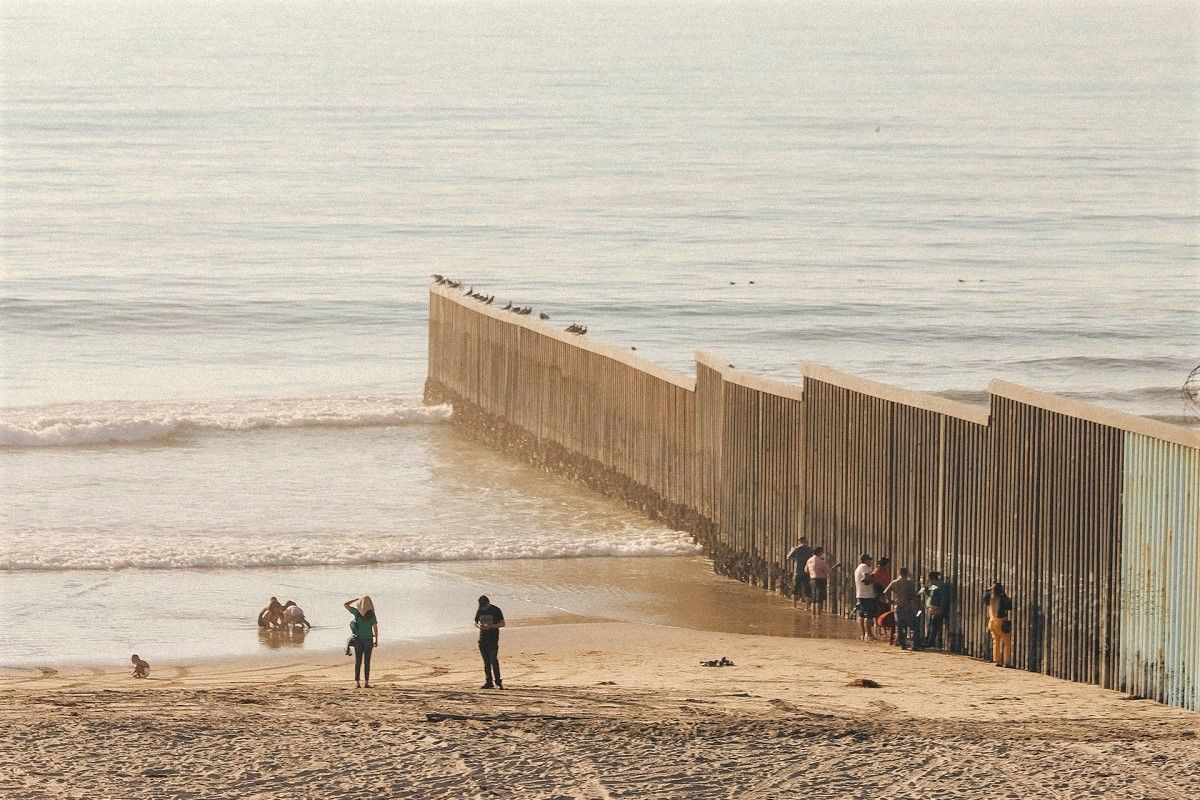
(801, 586)
(490, 619)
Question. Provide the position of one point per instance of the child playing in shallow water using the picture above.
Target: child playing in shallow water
(141, 669)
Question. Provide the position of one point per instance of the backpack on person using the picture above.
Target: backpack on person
(1003, 609)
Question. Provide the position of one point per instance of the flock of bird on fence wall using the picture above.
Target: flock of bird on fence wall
(488, 299)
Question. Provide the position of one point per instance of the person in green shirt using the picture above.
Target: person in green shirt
(365, 636)
(937, 607)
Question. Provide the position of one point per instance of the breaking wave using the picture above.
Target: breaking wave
(132, 423)
(219, 552)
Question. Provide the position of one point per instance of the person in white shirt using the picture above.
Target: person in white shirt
(865, 592)
(819, 569)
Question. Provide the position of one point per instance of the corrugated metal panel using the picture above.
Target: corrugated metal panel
(1160, 572)
(1056, 483)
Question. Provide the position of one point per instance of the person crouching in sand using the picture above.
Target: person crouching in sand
(293, 616)
(365, 630)
(141, 669)
(271, 617)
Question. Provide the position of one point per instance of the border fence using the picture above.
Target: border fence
(1089, 517)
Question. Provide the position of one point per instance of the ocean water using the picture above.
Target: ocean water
(219, 220)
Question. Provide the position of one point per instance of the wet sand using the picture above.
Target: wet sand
(102, 617)
(591, 710)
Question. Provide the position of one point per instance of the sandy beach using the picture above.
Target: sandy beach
(592, 710)
(910, 280)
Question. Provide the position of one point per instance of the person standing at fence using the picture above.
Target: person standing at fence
(801, 583)
(364, 630)
(999, 606)
(865, 596)
(882, 575)
(490, 619)
(937, 607)
(819, 569)
(905, 600)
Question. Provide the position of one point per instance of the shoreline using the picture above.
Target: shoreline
(592, 710)
(103, 618)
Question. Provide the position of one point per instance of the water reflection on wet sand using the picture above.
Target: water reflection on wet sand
(217, 608)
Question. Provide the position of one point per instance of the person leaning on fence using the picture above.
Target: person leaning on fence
(882, 574)
(999, 606)
(937, 607)
(802, 584)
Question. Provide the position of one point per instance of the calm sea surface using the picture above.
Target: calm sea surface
(219, 220)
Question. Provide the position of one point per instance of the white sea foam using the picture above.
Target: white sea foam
(90, 425)
(107, 553)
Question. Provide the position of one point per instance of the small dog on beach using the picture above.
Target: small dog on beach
(887, 622)
(141, 669)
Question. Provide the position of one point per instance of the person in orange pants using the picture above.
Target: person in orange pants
(999, 607)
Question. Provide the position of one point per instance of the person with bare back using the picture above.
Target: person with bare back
(271, 617)
(141, 669)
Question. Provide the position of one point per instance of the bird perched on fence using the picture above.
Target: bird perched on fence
(453, 284)
(491, 298)
(579, 329)
(543, 315)
(438, 279)
(507, 307)
(526, 311)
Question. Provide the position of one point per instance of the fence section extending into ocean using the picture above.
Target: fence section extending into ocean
(1089, 517)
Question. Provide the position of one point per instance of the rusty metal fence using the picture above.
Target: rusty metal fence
(1090, 517)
